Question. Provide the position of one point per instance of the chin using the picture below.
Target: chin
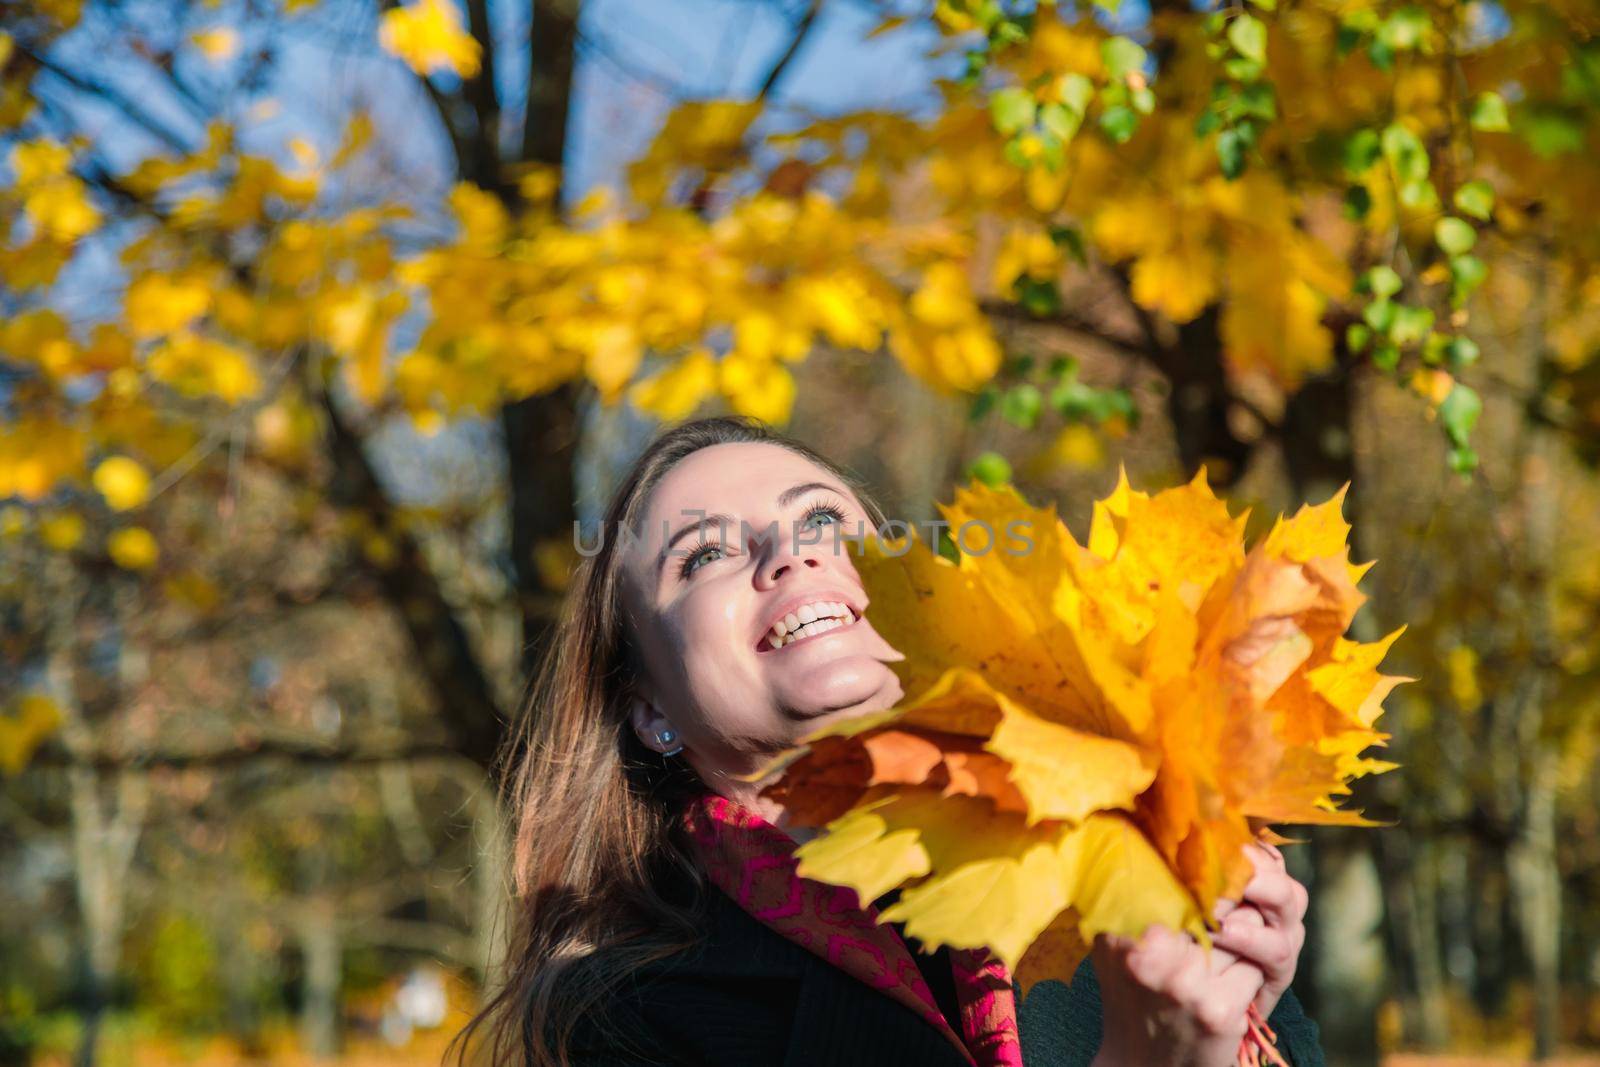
(852, 683)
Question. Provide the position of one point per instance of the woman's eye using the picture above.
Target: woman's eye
(822, 516)
(701, 555)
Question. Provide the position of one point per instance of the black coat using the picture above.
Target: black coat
(749, 997)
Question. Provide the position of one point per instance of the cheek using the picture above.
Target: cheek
(705, 642)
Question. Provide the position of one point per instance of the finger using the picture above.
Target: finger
(1219, 1006)
(1271, 949)
(1158, 957)
(1264, 854)
(1281, 899)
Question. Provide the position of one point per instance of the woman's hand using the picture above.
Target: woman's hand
(1268, 928)
(1167, 1002)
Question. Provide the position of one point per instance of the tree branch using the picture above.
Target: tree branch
(113, 96)
(802, 30)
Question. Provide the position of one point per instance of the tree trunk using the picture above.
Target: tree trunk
(1536, 882)
(1347, 963)
(322, 954)
(541, 432)
(445, 655)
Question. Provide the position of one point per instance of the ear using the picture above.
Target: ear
(648, 723)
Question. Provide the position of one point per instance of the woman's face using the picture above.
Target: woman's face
(744, 602)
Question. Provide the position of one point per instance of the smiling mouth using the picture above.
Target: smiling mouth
(812, 620)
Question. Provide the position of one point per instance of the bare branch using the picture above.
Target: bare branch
(802, 30)
(113, 96)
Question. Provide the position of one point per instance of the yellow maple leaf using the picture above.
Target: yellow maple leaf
(1092, 732)
(429, 37)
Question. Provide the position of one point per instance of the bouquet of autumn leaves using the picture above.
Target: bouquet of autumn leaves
(1091, 734)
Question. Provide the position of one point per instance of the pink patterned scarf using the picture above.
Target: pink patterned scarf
(752, 861)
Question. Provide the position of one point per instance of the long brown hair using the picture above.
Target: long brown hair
(593, 808)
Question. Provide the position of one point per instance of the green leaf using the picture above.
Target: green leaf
(1403, 30)
(983, 403)
(1459, 414)
(1467, 272)
(1015, 155)
(1122, 56)
(1357, 202)
(1076, 91)
(1243, 70)
(1454, 235)
(1075, 401)
(1552, 130)
(1143, 100)
(1411, 324)
(1381, 281)
(1230, 153)
(1435, 347)
(1257, 101)
(1060, 120)
(1266, 5)
(1379, 315)
(1463, 352)
(1357, 336)
(1062, 367)
(1070, 238)
(1386, 356)
(1039, 296)
(1361, 150)
(1405, 154)
(1489, 113)
(1020, 406)
(1119, 123)
(1382, 55)
(1248, 35)
(1012, 109)
(1419, 195)
(1463, 460)
(991, 469)
(1476, 198)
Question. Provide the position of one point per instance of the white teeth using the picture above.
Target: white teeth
(808, 621)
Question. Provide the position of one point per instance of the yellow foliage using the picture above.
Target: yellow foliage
(428, 36)
(157, 304)
(1153, 697)
(24, 726)
(52, 197)
(133, 548)
(675, 392)
(63, 531)
(37, 452)
(197, 365)
(217, 44)
(123, 482)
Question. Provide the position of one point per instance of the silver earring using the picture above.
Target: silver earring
(666, 737)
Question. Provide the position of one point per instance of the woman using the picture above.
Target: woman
(660, 919)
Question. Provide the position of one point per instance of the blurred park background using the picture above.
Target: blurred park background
(323, 321)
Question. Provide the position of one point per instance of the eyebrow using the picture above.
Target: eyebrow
(790, 495)
(785, 498)
(685, 530)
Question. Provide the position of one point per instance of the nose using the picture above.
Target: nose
(785, 559)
